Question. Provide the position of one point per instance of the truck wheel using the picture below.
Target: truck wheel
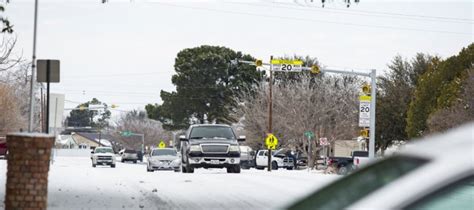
(93, 165)
(274, 165)
(189, 169)
(135, 161)
(259, 168)
(230, 170)
(122, 160)
(237, 169)
(183, 169)
(342, 170)
(113, 165)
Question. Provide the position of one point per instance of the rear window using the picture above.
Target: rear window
(130, 151)
(161, 152)
(349, 189)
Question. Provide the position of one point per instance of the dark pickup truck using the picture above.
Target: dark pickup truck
(344, 165)
(210, 146)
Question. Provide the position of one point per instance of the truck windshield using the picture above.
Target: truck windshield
(104, 150)
(212, 132)
(162, 152)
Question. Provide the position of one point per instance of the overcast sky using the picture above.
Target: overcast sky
(123, 52)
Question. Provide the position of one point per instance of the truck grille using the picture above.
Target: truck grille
(214, 148)
(104, 158)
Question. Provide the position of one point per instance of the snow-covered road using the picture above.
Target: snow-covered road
(74, 184)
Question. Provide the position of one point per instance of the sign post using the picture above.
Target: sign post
(272, 142)
(48, 71)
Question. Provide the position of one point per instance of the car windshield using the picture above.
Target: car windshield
(212, 132)
(104, 150)
(346, 191)
(162, 152)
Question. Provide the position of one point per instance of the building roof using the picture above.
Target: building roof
(105, 139)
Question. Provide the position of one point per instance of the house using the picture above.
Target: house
(66, 142)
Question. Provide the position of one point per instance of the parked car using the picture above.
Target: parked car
(163, 159)
(280, 159)
(210, 146)
(3, 147)
(360, 158)
(435, 173)
(129, 155)
(103, 156)
(247, 157)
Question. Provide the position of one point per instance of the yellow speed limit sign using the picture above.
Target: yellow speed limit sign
(162, 144)
(271, 141)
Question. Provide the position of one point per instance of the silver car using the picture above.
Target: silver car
(163, 159)
(437, 173)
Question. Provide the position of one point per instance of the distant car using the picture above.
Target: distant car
(129, 155)
(437, 173)
(3, 147)
(163, 159)
(103, 156)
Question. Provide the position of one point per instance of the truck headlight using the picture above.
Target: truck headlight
(194, 148)
(234, 148)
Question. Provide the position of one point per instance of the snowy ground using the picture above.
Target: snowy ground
(74, 184)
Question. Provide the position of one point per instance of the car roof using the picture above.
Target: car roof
(202, 125)
(451, 158)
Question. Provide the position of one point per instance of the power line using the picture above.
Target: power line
(310, 20)
(299, 7)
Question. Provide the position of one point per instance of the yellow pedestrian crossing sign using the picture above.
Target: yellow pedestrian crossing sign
(271, 141)
(162, 144)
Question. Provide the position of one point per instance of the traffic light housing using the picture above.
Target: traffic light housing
(364, 133)
(366, 89)
(258, 63)
(315, 69)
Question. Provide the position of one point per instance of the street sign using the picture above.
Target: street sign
(287, 65)
(364, 111)
(42, 68)
(323, 141)
(127, 133)
(162, 144)
(309, 134)
(271, 141)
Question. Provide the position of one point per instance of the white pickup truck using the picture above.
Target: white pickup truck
(279, 160)
(103, 156)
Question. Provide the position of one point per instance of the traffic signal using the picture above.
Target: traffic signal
(315, 69)
(258, 63)
(113, 106)
(82, 108)
(366, 89)
(364, 133)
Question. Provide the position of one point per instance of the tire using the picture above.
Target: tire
(177, 170)
(122, 160)
(135, 161)
(183, 169)
(113, 165)
(259, 168)
(93, 165)
(342, 170)
(230, 170)
(274, 165)
(189, 169)
(289, 168)
(237, 169)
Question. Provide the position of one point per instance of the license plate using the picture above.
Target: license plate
(215, 162)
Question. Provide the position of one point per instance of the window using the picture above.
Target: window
(459, 195)
(350, 189)
(212, 132)
(162, 152)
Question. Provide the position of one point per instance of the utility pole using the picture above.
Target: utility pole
(270, 110)
(33, 73)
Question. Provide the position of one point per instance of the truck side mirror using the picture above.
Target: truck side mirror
(183, 138)
(92, 151)
(241, 138)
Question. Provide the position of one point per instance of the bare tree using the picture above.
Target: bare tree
(325, 105)
(7, 61)
(138, 122)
